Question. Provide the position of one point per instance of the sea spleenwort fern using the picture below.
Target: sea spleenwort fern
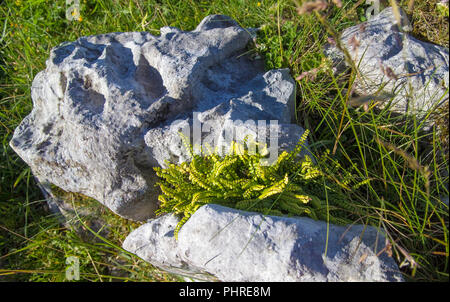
(239, 180)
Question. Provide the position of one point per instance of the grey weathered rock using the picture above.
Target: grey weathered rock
(105, 106)
(444, 200)
(155, 242)
(416, 72)
(234, 245)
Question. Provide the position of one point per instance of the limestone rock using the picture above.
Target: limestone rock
(394, 65)
(106, 107)
(234, 245)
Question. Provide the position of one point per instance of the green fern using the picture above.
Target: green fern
(239, 180)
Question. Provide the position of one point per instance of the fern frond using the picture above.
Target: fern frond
(231, 184)
(276, 188)
(308, 170)
(172, 193)
(245, 204)
(315, 202)
(281, 159)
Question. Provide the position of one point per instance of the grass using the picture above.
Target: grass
(392, 170)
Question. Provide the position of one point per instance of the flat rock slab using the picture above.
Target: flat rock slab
(220, 243)
(413, 74)
(107, 108)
